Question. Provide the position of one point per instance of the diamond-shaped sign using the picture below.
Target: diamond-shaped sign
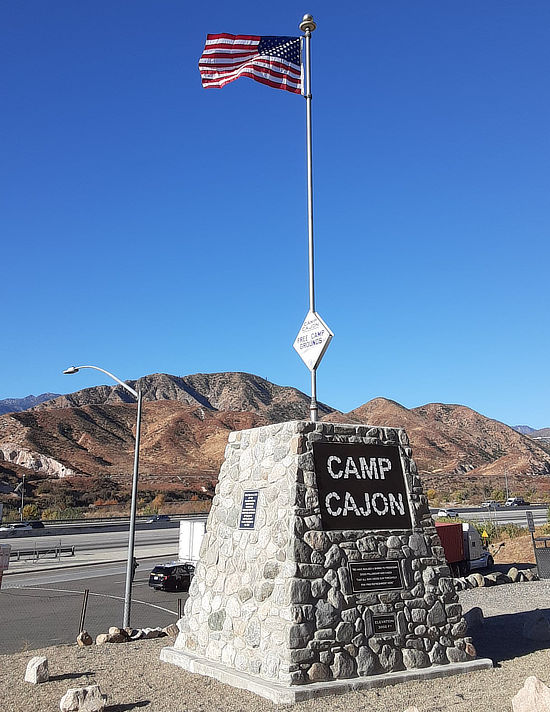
(313, 340)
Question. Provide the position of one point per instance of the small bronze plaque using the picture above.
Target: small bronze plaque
(248, 510)
(369, 576)
(384, 624)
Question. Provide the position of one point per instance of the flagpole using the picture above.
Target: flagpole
(308, 26)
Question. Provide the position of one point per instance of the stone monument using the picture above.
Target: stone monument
(321, 570)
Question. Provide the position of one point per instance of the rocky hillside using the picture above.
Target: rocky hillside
(212, 391)
(454, 439)
(185, 424)
(186, 421)
(14, 405)
(176, 439)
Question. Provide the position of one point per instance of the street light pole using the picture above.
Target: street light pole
(20, 489)
(132, 533)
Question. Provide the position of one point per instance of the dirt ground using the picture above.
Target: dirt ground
(133, 678)
(514, 551)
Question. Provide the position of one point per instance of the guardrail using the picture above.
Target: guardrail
(141, 519)
(35, 553)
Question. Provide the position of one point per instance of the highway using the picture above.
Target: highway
(43, 608)
(508, 515)
(41, 599)
(94, 541)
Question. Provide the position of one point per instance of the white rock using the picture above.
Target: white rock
(37, 670)
(149, 633)
(84, 638)
(534, 696)
(172, 630)
(83, 699)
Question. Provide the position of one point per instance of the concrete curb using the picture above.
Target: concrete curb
(281, 694)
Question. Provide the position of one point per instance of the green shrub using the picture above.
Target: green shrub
(497, 531)
(31, 511)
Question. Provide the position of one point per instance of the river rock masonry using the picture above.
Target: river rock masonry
(320, 563)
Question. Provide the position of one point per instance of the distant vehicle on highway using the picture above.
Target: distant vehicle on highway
(158, 518)
(516, 502)
(12, 529)
(447, 513)
(35, 524)
(172, 576)
(491, 504)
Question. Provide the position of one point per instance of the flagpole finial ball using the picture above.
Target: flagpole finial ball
(307, 23)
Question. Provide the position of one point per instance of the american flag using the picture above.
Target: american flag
(275, 61)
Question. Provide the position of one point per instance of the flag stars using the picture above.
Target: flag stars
(285, 48)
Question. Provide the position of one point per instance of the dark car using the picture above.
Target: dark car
(174, 576)
(35, 524)
(158, 518)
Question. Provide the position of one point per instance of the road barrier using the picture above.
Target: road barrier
(5, 551)
(35, 553)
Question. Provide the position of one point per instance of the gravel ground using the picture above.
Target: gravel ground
(133, 678)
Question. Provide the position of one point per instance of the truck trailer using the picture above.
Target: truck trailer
(464, 549)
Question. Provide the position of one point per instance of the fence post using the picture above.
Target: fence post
(180, 607)
(83, 611)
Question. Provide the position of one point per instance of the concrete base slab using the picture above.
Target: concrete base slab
(281, 694)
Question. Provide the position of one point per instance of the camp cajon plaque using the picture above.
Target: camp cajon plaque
(361, 487)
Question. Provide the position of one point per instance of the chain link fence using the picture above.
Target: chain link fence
(37, 616)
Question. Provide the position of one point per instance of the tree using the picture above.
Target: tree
(158, 502)
(31, 511)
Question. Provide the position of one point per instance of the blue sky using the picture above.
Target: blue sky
(150, 225)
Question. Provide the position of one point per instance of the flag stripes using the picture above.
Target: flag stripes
(274, 61)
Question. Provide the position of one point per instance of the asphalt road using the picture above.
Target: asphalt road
(509, 515)
(96, 541)
(43, 608)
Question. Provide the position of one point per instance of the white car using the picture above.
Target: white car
(447, 513)
(12, 529)
(490, 504)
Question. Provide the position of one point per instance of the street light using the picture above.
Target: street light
(20, 489)
(132, 533)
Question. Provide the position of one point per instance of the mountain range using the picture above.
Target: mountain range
(13, 405)
(186, 421)
(532, 432)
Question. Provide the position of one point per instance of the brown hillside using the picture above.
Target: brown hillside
(229, 391)
(186, 422)
(176, 439)
(449, 439)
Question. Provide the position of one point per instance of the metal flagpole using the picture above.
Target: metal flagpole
(307, 26)
(314, 335)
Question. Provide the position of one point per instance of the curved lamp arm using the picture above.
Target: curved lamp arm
(76, 369)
